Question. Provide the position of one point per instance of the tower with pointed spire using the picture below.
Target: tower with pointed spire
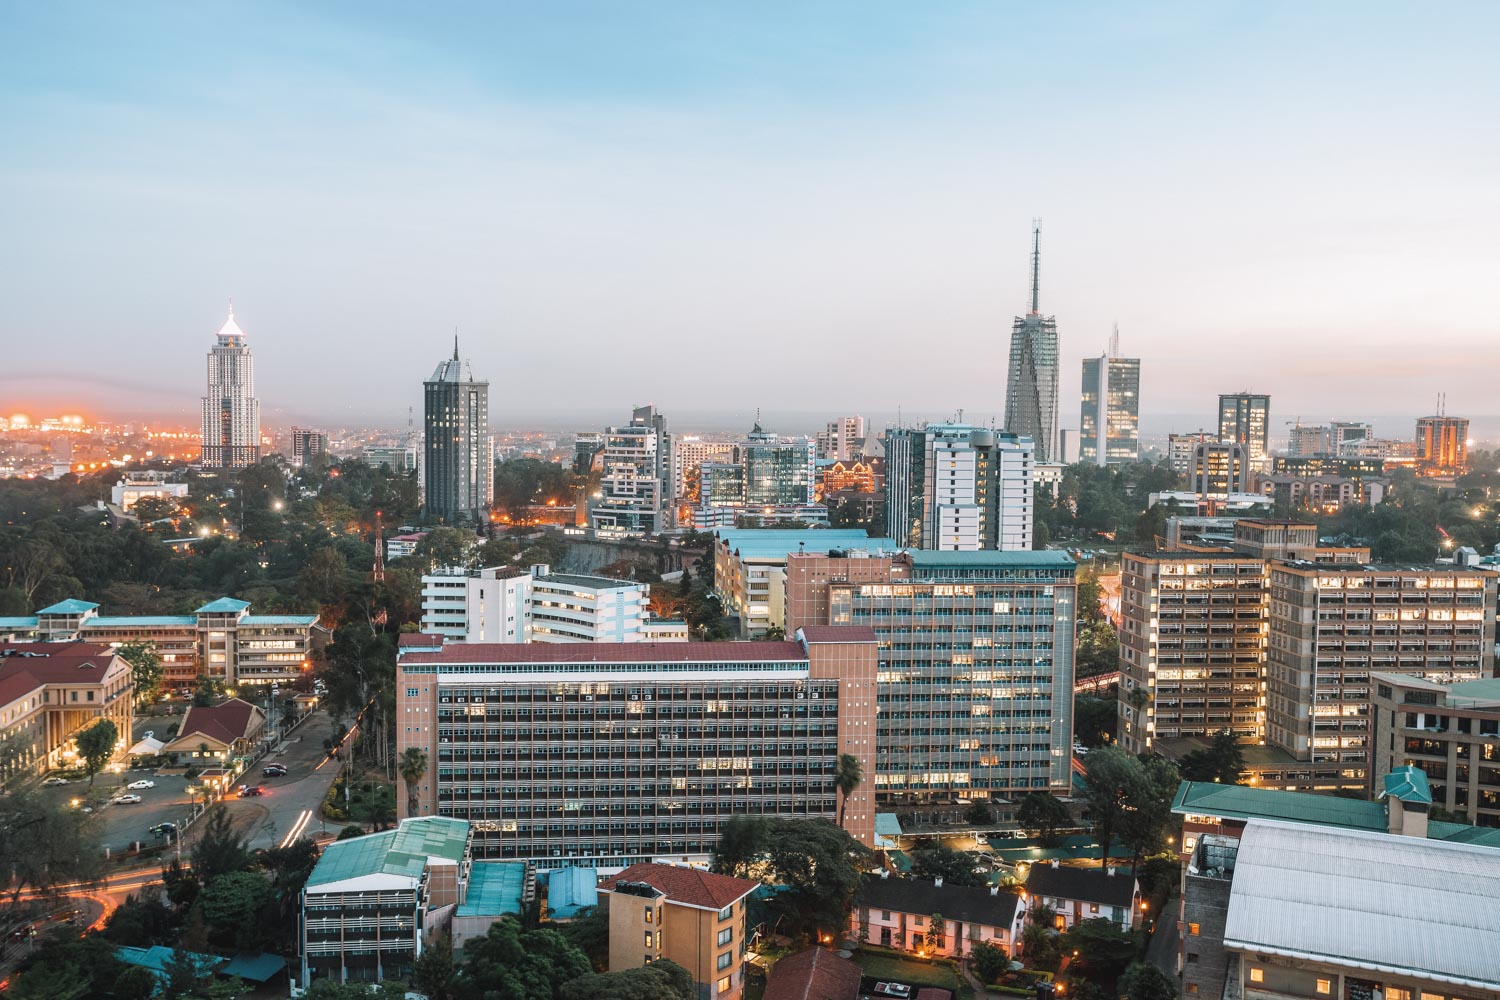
(1031, 383)
(458, 475)
(231, 413)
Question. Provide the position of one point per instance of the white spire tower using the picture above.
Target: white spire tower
(231, 413)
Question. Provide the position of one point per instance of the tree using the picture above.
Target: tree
(1144, 981)
(989, 963)
(1221, 761)
(820, 865)
(220, 850)
(663, 979)
(207, 691)
(1042, 815)
(325, 577)
(589, 933)
(185, 974)
(511, 964)
(1112, 779)
(1159, 873)
(413, 767)
(444, 548)
(145, 669)
(1095, 720)
(1144, 824)
(434, 971)
(980, 813)
(233, 906)
(847, 776)
(1102, 948)
(96, 745)
(1041, 946)
(953, 867)
(742, 842)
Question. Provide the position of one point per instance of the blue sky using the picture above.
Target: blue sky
(723, 206)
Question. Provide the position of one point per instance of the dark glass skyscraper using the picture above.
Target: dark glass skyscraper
(458, 473)
(1031, 388)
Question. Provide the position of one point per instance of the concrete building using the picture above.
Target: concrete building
(976, 667)
(400, 459)
(1325, 494)
(1450, 731)
(574, 607)
(1180, 448)
(372, 904)
(1245, 420)
(458, 467)
(693, 918)
(750, 569)
(635, 494)
(900, 913)
(1442, 446)
(1193, 645)
(231, 411)
(488, 605)
(1332, 626)
(1031, 381)
(136, 486)
(1220, 469)
(508, 604)
(221, 639)
(613, 754)
(1339, 438)
(955, 487)
(1110, 412)
(688, 454)
(843, 440)
(307, 444)
(721, 484)
(49, 691)
(403, 545)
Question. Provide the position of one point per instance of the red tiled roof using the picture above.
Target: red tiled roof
(422, 640)
(609, 652)
(838, 633)
(223, 723)
(934, 993)
(691, 886)
(814, 974)
(26, 666)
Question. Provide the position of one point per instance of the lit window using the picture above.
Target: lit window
(1257, 975)
(649, 913)
(1193, 929)
(1325, 986)
(648, 939)
(722, 985)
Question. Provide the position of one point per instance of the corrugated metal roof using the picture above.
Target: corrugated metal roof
(495, 888)
(402, 852)
(72, 606)
(1371, 900)
(1409, 784)
(140, 621)
(778, 543)
(279, 620)
(1020, 558)
(570, 889)
(223, 606)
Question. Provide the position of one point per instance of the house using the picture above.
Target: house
(1076, 894)
(693, 917)
(898, 913)
(218, 732)
(813, 974)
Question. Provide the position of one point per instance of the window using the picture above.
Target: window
(1325, 987)
(649, 914)
(1192, 956)
(727, 912)
(1193, 929)
(1257, 975)
(726, 936)
(648, 939)
(722, 985)
(725, 960)
(1397, 993)
(1432, 996)
(411, 692)
(1094, 908)
(885, 914)
(1192, 987)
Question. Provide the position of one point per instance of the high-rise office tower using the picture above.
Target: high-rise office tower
(1110, 415)
(231, 413)
(1442, 445)
(307, 444)
(1031, 388)
(457, 464)
(959, 488)
(777, 472)
(1245, 419)
(635, 494)
(843, 439)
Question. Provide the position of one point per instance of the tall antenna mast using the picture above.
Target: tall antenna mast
(1036, 263)
(1114, 341)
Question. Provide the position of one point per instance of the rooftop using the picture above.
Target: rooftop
(582, 580)
(72, 606)
(401, 853)
(956, 902)
(838, 633)
(1376, 901)
(1089, 885)
(1409, 784)
(778, 543)
(26, 666)
(688, 886)
(1464, 694)
(570, 889)
(483, 653)
(224, 723)
(813, 974)
(495, 888)
(1021, 558)
(223, 606)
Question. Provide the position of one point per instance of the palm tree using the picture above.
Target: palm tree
(413, 766)
(846, 778)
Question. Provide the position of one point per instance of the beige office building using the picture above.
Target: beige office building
(1450, 731)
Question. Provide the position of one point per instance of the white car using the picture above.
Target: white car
(54, 782)
(143, 783)
(128, 800)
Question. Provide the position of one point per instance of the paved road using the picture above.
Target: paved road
(1161, 951)
(269, 819)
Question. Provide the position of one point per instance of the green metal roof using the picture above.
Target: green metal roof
(570, 889)
(778, 543)
(403, 851)
(1020, 558)
(1409, 784)
(495, 888)
(128, 621)
(1243, 802)
(72, 606)
(888, 824)
(1487, 689)
(279, 620)
(223, 606)
(22, 621)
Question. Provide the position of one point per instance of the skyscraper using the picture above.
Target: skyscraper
(458, 468)
(777, 472)
(1245, 419)
(231, 413)
(634, 496)
(1031, 388)
(1111, 410)
(957, 488)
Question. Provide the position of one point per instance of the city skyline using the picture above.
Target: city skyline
(549, 190)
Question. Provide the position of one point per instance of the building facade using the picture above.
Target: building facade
(614, 754)
(49, 691)
(688, 454)
(574, 607)
(488, 605)
(1032, 378)
(1245, 420)
(932, 920)
(976, 667)
(307, 444)
(137, 486)
(1110, 411)
(843, 440)
(231, 411)
(777, 473)
(1220, 469)
(954, 487)
(1450, 731)
(458, 468)
(1442, 446)
(635, 493)
(750, 569)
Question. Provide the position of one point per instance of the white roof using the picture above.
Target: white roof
(1400, 905)
(148, 745)
(230, 327)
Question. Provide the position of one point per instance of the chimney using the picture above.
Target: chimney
(1111, 871)
(994, 890)
(938, 882)
(1408, 798)
(885, 873)
(1054, 862)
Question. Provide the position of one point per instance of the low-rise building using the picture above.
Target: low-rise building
(692, 917)
(571, 889)
(575, 607)
(137, 486)
(496, 889)
(372, 904)
(218, 732)
(508, 604)
(898, 913)
(49, 691)
(1075, 894)
(1450, 731)
(403, 545)
(813, 974)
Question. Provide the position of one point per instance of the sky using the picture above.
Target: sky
(717, 207)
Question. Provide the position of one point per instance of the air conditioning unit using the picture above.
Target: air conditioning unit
(588, 697)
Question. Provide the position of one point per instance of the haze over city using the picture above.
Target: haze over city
(717, 210)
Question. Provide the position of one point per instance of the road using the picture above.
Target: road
(291, 804)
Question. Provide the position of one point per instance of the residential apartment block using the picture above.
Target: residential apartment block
(932, 920)
(51, 690)
(976, 666)
(612, 754)
(221, 639)
(953, 487)
(635, 493)
(507, 604)
(1450, 731)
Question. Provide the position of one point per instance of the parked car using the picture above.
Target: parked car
(143, 783)
(168, 830)
(252, 791)
(54, 782)
(127, 800)
(274, 770)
